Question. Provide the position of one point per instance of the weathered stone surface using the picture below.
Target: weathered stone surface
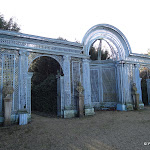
(7, 111)
(129, 106)
(89, 112)
(80, 89)
(135, 96)
(121, 107)
(69, 113)
(23, 117)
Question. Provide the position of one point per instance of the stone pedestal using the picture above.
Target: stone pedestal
(137, 101)
(7, 111)
(121, 107)
(81, 105)
(135, 96)
(89, 111)
(80, 89)
(23, 117)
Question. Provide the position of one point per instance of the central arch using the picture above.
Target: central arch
(112, 35)
(104, 75)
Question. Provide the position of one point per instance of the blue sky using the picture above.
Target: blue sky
(71, 19)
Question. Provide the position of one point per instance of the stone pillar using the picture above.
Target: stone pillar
(7, 91)
(89, 110)
(123, 87)
(80, 89)
(120, 87)
(7, 111)
(30, 74)
(23, 70)
(137, 80)
(148, 90)
(68, 112)
(126, 87)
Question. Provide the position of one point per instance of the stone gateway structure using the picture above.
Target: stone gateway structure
(106, 83)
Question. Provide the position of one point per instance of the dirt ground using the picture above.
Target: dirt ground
(106, 130)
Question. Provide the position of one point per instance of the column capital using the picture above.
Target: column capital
(137, 66)
(86, 60)
(67, 57)
(23, 52)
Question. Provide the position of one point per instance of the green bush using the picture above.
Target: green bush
(44, 95)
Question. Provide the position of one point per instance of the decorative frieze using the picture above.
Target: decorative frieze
(32, 45)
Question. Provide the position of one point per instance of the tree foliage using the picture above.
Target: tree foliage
(8, 25)
(144, 74)
(94, 54)
(44, 84)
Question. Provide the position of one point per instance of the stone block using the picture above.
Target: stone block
(121, 107)
(129, 106)
(23, 117)
(141, 106)
(89, 111)
(69, 113)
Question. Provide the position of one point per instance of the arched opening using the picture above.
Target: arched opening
(103, 74)
(145, 84)
(106, 72)
(44, 86)
(100, 50)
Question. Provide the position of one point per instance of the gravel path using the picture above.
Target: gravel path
(107, 130)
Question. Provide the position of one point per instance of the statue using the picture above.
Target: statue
(80, 89)
(8, 90)
(134, 88)
(135, 96)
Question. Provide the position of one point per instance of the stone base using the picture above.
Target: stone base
(70, 113)
(15, 118)
(89, 111)
(121, 107)
(141, 106)
(23, 119)
(129, 106)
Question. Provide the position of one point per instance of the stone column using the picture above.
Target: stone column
(126, 87)
(30, 74)
(89, 110)
(7, 91)
(137, 80)
(123, 85)
(80, 90)
(23, 70)
(7, 111)
(68, 112)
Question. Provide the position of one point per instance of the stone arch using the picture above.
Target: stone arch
(59, 78)
(110, 34)
(34, 56)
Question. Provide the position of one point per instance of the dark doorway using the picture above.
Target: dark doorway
(44, 85)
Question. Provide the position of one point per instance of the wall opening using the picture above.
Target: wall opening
(44, 84)
(145, 76)
(100, 50)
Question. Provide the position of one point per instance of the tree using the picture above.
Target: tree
(44, 84)
(8, 25)
(94, 54)
(144, 74)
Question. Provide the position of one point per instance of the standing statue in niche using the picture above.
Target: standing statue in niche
(80, 90)
(135, 96)
(7, 91)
